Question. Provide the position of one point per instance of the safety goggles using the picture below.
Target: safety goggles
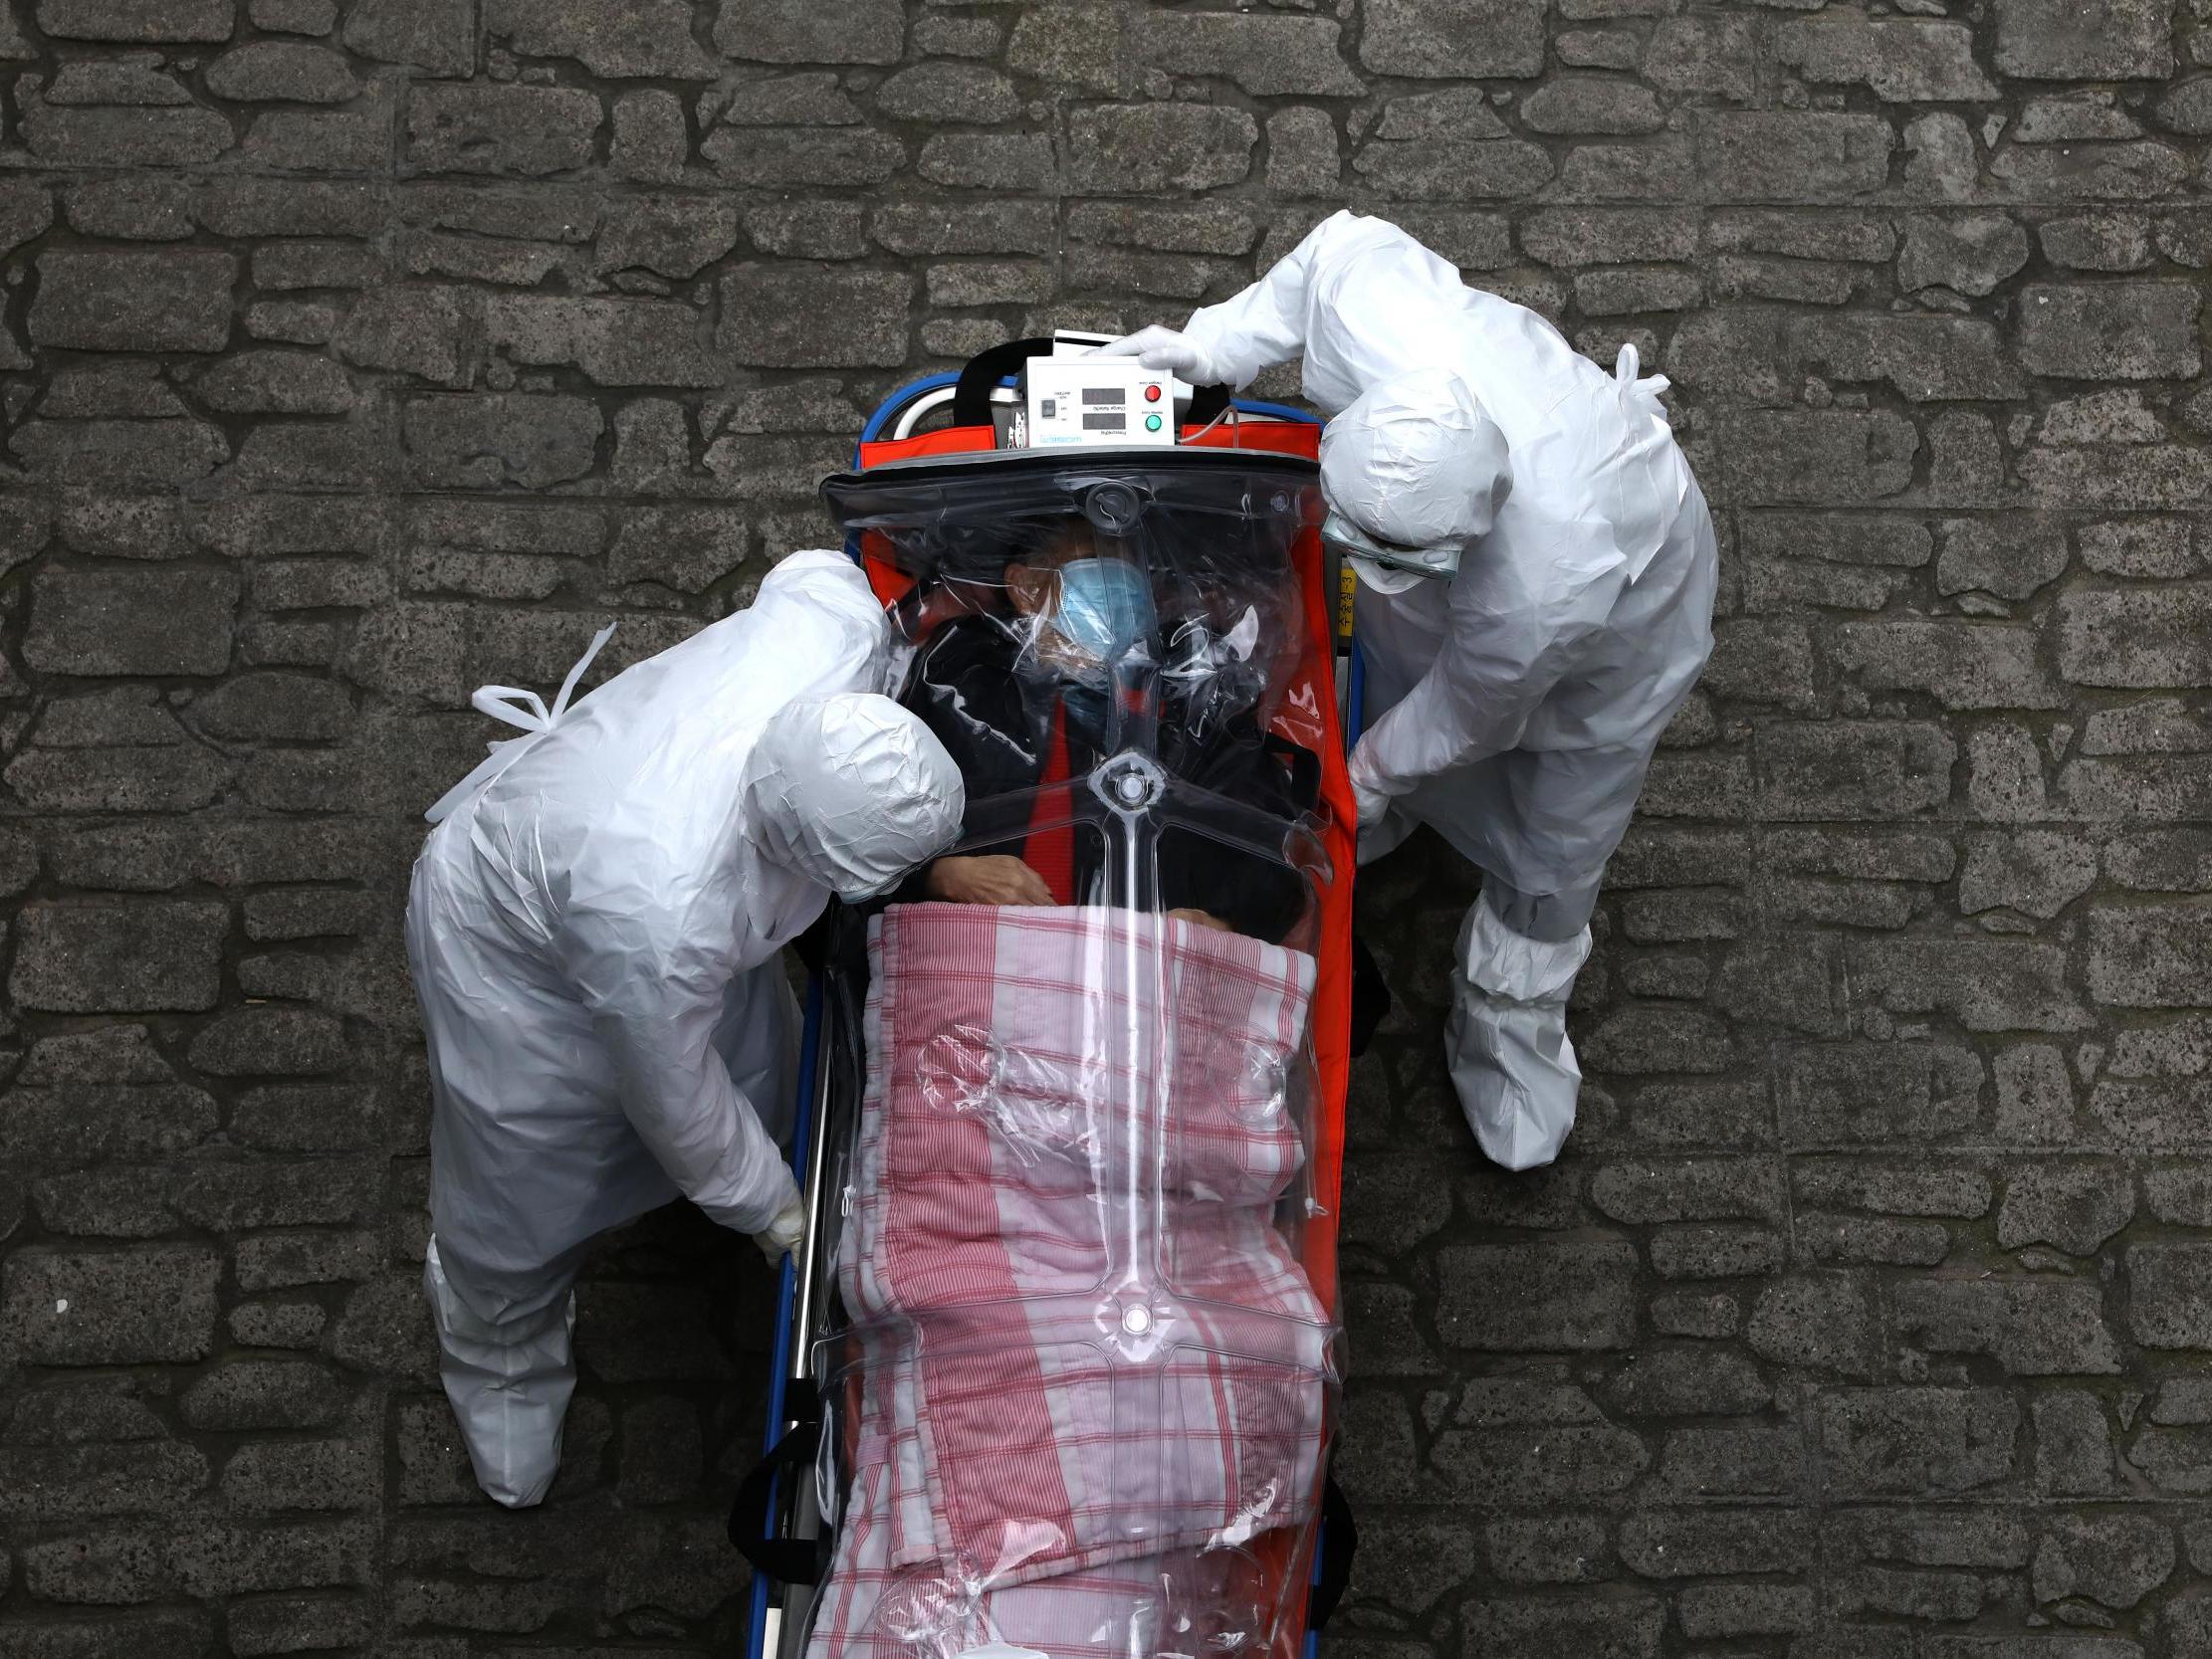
(1352, 543)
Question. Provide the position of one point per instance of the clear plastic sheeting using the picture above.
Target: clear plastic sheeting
(1080, 1354)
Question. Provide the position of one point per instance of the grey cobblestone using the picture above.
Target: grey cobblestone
(354, 355)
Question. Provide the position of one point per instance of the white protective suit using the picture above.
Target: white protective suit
(1515, 707)
(594, 930)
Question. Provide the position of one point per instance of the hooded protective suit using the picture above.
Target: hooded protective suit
(1519, 703)
(593, 929)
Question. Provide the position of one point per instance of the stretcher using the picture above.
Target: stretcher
(1057, 1363)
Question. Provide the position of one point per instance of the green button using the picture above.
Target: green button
(1151, 423)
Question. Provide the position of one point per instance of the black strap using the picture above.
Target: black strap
(1371, 998)
(1207, 403)
(1340, 1541)
(1306, 769)
(972, 397)
(789, 1560)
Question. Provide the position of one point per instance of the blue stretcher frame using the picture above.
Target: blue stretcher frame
(811, 1042)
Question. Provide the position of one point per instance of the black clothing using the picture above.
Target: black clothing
(993, 710)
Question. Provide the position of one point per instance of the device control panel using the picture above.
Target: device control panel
(1095, 400)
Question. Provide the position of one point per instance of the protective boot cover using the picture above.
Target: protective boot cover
(1518, 705)
(1506, 1037)
(592, 930)
(509, 1384)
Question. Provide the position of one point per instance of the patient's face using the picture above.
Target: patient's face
(1034, 579)
(1075, 622)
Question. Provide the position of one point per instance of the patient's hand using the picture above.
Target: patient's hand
(994, 879)
(1201, 919)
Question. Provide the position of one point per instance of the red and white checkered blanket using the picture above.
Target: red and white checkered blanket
(1090, 1366)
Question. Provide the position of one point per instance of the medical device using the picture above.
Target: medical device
(1072, 401)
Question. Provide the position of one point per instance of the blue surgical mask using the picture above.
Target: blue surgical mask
(1105, 606)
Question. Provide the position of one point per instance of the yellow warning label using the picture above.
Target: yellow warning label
(1346, 585)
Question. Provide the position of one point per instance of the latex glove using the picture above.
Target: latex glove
(781, 1236)
(1169, 349)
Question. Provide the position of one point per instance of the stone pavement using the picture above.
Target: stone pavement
(354, 355)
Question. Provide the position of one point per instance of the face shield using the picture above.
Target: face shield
(1413, 471)
(851, 793)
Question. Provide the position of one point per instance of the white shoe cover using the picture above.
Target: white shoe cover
(1506, 1039)
(509, 1384)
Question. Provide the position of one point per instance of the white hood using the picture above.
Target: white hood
(851, 793)
(1416, 461)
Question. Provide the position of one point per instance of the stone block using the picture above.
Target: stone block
(144, 622)
(144, 1636)
(514, 129)
(651, 141)
(108, 1308)
(173, 301)
(2031, 1327)
(794, 32)
(2110, 330)
(1919, 1442)
(137, 22)
(1449, 39)
(1266, 55)
(295, 1624)
(248, 1394)
(791, 317)
(615, 342)
(1642, 1191)
(2137, 638)
(673, 236)
(1537, 1297)
(1591, 105)
(2148, 955)
(1302, 154)
(640, 38)
(2170, 1295)
(1599, 1627)
(1985, 984)
(1705, 1542)
(1793, 457)
(2113, 1560)
(289, 72)
(1133, 150)
(1794, 155)
(140, 957)
(478, 441)
(1820, 1321)
(2104, 39)
(340, 1473)
(436, 37)
(1903, 61)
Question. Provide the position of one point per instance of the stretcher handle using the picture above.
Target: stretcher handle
(789, 1560)
(1340, 1541)
(972, 398)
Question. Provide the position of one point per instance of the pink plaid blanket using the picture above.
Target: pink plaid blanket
(1092, 1366)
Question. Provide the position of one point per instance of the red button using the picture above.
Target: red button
(1152, 394)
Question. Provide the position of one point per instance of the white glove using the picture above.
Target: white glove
(1167, 349)
(781, 1236)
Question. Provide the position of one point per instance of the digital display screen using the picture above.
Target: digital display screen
(1110, 396)
(1104, 423)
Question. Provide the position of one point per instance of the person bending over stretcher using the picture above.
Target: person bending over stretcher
(1022, 693)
